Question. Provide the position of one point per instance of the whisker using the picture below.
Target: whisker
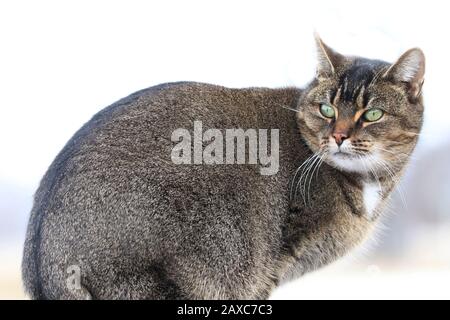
(377, 76)
(305, 176)
(377, 178)
(421, 134)
(397, 184)
(287, 108)
(396, 154)
(305, 172)
(309, 159)
(317, 167)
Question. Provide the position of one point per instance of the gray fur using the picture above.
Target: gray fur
(141, 227)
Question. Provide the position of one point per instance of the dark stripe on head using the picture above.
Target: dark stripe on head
(358, 76)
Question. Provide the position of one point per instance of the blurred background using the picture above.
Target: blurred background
(61, 62)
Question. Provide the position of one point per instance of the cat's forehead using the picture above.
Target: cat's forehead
(356, 79)
(358, 85)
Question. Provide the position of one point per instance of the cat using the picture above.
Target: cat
(115, 218)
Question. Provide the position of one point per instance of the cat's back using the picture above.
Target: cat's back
(136, 134)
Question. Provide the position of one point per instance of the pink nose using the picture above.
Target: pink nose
(339, 137)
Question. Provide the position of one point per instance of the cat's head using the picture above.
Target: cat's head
(363, 115)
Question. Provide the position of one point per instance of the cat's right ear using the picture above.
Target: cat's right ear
(328, 59)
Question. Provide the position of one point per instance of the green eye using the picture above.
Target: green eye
(327, 111)
(373, 114)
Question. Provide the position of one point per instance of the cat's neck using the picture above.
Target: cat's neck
(384, 180)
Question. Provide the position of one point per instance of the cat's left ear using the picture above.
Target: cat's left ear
(409, 69)
(328, 59)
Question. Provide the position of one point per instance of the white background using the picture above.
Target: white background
(62, 61)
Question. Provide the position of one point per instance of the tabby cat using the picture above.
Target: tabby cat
(115, 217)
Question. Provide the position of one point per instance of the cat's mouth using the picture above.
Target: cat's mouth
(348, 158)
(351, 161)
(344, 154)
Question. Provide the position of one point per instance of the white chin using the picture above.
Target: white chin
(350, 163)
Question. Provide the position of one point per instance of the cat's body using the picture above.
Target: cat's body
(138, 226)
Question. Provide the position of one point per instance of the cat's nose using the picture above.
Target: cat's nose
(339, 137)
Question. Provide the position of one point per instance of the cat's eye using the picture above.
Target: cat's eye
(373, 114)
(327, 111)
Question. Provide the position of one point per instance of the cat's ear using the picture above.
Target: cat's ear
(328, 59)
(409, 69)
